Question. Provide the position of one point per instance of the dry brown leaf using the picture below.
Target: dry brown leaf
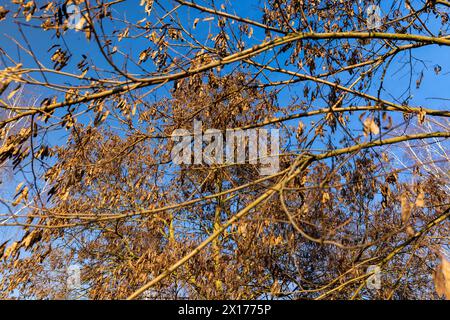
(421, 117)
(2, 248)
(31, 239)
(410, 231)
(445, 269)
(19, 186)
(148, 5)
(441, 277)
(439, 280)
(3, 13)
(276, 288)
(250, 32)
(23, 195)
(13, 92)
(242, 229)
(143, 56)
(406, 208)
(370, 127)
(11, 250)
(300, 128)
(420, 201)
(195, 23)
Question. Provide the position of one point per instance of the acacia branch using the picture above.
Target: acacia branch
(239, 56)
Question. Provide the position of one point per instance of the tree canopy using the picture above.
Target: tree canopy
(93, 90)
